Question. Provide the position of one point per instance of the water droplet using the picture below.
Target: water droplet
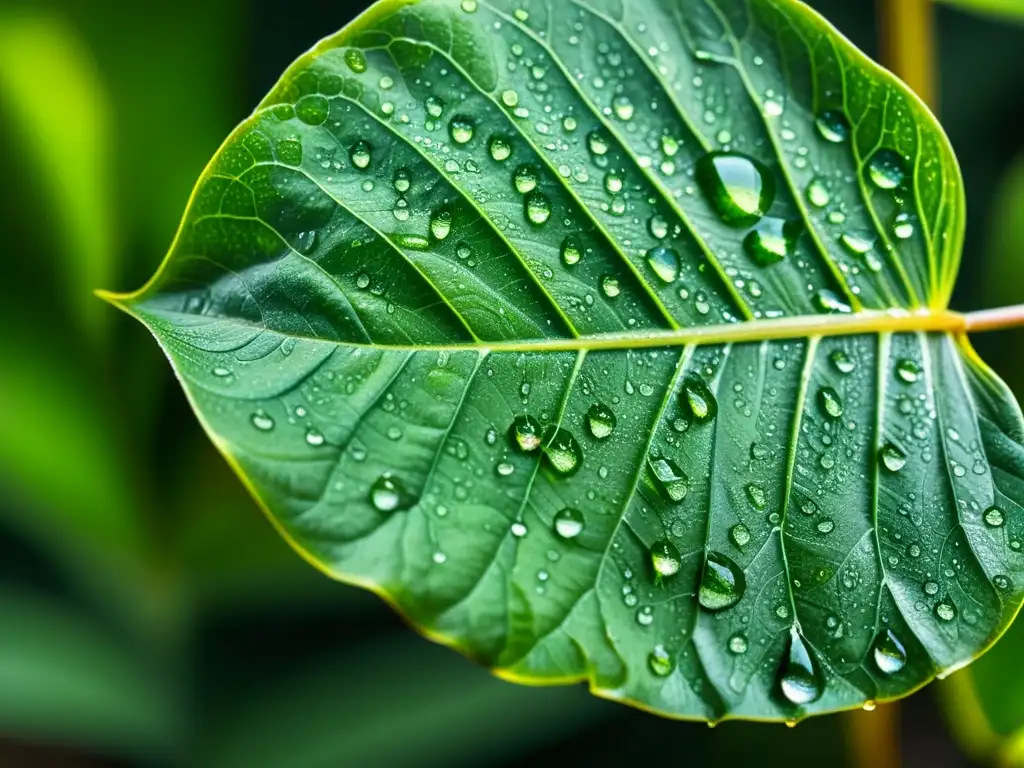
(739, 188)
(903, 226)
(569, 523)
(571, 251)
(660, 661)
(623, 107)
(945, 610)
(601, 420)
(843, 362)
(356, 60)
(757, 496)
(312, 109)
(669, 479)
(388, 494)
(360, 154)
(563, 453)
(738, 644)
(800, 680)
(886, 169)
(665, 560)
(830, 403)
(908, 371)
(610, 286)
(315, 437)
(699, 398)
(509, 98)
(930, 588)
(829, 301)
(413, 242)
(500, 149)
(469, 6)
(857, 243)
(434, 106)
(892, 458)
(826, 526)
(518, 530)
(597, 144)
(817, 194)
(772, 241)
(461, 129)
(994, 517)
(526, 434)
(402, 180)
(441, 224)
(262, 421)
(664, 262)
(612, 182)
(722, 583)
(890, 655)
(538, 208)
(833, 126)
(525, 179)
(221, 373)
(740, 535)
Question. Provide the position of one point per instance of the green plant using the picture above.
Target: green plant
(597, 377)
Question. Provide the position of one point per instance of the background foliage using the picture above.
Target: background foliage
(150, 616)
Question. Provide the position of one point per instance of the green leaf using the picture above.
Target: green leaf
(1011, 9)
(608, 342)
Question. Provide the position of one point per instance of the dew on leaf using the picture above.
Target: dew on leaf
(660, 661)
(526, 434)
(665, 560)
(833, 126)
(829, 403)
(434, 106)
(623, 107)
(388, 494)
(441, 224)
(740, 535)
(800, 677)
(601, 421)
(945, 610)
(892, 458)
(669, 479)
(843, 362)
(903, 226)
(757, 496)
(262, 421)
(722, 583)
(562, 452)
(773, 240)
(829, 301)
(994, 517)
(461, 129)
(698, 398)
(500, 149)
(402, 180)
(538, 208)
(664, 262)
(739, 188)
(886, 169)
(889, 654)
(568, 523)
(525, 179)
(360, 154)
(314, 437)
(571, 251)
(818, 194)
(908, 371)
(610, 286)
(738, 644)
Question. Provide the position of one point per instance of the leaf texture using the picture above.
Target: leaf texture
(608, 341)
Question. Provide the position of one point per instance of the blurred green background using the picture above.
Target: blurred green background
(149, 615)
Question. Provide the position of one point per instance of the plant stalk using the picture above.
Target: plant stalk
(999, 319)
(907, 45)
(873, 738)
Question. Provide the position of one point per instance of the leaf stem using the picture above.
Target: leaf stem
(999, 319)
(907, 44)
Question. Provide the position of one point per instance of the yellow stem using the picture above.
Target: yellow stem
(907, 44)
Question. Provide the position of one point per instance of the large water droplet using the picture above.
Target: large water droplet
(461, 129)
(360, 154)
(887, 169)
(698, 398)
(892, 458)
(829, 403)
(889, 653)
(441, 224)
(739, 188)
(597, 144)
(818, 194)
(833, 126)
(665, 560)
(945, 610)
(500, 149)
(994, 517)
(772, 241)
(572, 251)
(722, 583)
(526, 433)
(903, 226)
(800, 679)
(601, 420)
(610, 286)
(660, 661)
(262, 421)
(525, 178)
(388, 494)
(908, 371)
(568, 523)
(664, 262)
(538, 208)
(563, 453)
(669, 479)
(402, 180)
(738, 644)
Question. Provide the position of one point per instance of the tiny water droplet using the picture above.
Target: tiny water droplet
(889, 653)
(665, 560)
(660, 661)
(857, 243)
(623, 107)
(800, 680)
(886, 169)
(562, 452)
(903, 226)
(829, 301)
(739, 188)
(833, 126)
(601, 421)
(526, 434)
(597, 144)
(568, 523)
(892, 458)
(722, 583)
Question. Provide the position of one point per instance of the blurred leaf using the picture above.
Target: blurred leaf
(63, 680)
(1010, 9)
(986, 701)
(390, 704)
(46, 74)
(362, 330)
